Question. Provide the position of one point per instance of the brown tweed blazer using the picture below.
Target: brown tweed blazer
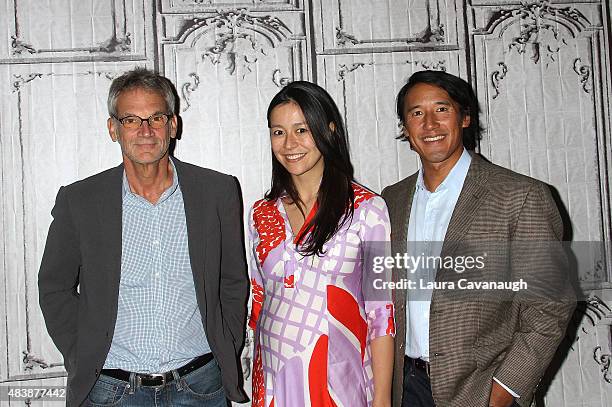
(472, 340)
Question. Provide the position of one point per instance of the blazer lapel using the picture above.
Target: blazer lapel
(110, 211)
(470, 198)
(195, 210)
(399, 203)
(400, 213)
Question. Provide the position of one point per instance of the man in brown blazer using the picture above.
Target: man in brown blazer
(474, 350)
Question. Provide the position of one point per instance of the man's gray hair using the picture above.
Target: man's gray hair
(142, 78)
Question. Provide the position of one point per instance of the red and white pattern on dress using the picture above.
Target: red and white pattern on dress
(391, 321)
(259, 388)
(317, 375)
(361, 194)
(257, 298)
(271, 223)
(313, 325)
(345, 309)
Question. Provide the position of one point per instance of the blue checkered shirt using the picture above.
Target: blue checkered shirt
(159, 327)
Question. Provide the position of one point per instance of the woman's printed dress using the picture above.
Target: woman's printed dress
(312, 323)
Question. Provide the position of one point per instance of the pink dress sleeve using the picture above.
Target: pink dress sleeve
(376, 238)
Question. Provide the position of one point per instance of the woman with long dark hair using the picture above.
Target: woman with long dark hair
(323, 337)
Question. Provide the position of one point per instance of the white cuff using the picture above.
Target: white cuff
(508, 389)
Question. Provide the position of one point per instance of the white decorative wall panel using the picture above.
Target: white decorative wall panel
(364, 86)
(48, 145)
(198, 6)
(542, 64)
(68, 30)
(541, 71)
(227, 66)
(585, 378)
(361, 25)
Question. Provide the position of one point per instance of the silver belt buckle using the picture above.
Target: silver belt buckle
(152, 376)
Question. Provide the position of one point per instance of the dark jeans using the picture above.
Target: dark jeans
(417, 388)
(202, 388)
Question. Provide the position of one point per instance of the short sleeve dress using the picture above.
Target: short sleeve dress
(312, 321)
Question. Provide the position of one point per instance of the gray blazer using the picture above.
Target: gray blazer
(81, 267)
(473, 339)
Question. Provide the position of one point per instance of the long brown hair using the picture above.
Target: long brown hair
(335, 197)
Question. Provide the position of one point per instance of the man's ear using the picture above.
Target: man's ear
(112, 129)
(465, 122)
(404, 131)
(332, 126)
(173, 126)
(406, 136)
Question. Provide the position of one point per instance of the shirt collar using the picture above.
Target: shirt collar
(167, 193)
(456, 176)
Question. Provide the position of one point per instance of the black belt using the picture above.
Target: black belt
(417, 364)
(160, 379)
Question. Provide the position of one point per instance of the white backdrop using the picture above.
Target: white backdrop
(541, 71)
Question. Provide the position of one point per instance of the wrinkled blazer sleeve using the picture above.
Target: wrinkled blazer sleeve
(58, 277)
(234, 284)
(537, 255)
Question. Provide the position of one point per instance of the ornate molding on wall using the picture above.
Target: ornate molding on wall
(497, 77)
(20, 46)
(595, 311)
(30, 361)
(535, 16)
(21, 80)
(199, 6)
(114, 44)
(604, 361)
(235, 21)
(279, 80)
(584, 72)
(439, 65)
(544, 29)
(188, 87)
(240, 40)
(118, 45)
(343, 37)
(433, 33)
(425, 31)
(110, 46)
(597, 273)
(430, 35)
(343, 69)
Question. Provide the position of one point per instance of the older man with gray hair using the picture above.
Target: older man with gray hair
(143, 281)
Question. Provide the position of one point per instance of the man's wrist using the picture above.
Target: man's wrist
(499, 396)
(508, 389)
